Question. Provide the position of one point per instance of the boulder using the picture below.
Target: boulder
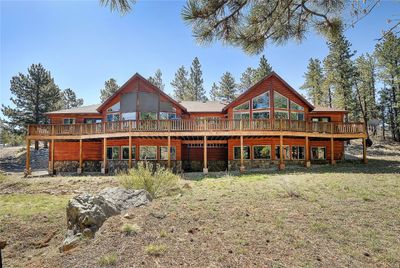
(86, 213)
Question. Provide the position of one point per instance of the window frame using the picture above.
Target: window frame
(262, 145)
(248, 109)
(262, 111)
(69, 118)
(113, 114)
(304, 152)
(124, 119)
(244, 146)
(287, 101)
(133, 152)
(297, 117)
(110, 109)
(318, 147)
(292, 101)
(112, 152)
(173, 156)
(140, 155)
(241, 113)
(258, 96)
(141, 114)
(289, 152)
(281, 111)
(168, 116)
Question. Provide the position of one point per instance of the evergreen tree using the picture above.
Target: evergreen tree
(247, 79)
(196, 90)
(157, 80)
(214, 93)
(313, 83)
(339, 71)
(180, 84)
(69, 99)
(264, 69)
(227, 88)
(34, 94)
(388, 54)
(110, 87)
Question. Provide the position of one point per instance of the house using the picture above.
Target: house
(269, 124)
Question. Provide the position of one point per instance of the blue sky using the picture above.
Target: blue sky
(84, 44)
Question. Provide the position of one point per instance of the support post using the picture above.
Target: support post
(333, 162)
(205, 168)
(169, 151)
(307, 163)
(130, 151)
(80, 169)
(365, 161)
(242, 168)
(28, 158)
(281, 162)
(104, 167)
(51, 168)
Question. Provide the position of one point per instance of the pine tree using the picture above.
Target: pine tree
(69, 99)
(157, 80)
(339, 71)
(227, 88)
(388, 54)
(247, 79)
(313, 83)
(196, 90)
(264, 69)
(110, 87)
(34, 94)
(214, 92)
(180, 84)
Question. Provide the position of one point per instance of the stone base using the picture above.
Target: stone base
(307, 164)
(52, 172)
(27, 172)
(205, 170)
(281, 166)
(242, 168)
(79, 171)
(333, 162)
(103, 171)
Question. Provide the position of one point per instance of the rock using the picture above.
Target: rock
(3, 244)
(158, 215)
(86, 213)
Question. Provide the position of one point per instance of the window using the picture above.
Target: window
(246, 152)
(112, 117)
(69, 121)
(128, 116)
(280, 101)
(261, 101)
(241, 115)
(113, 153)
(286, 152)
(298, 152)
(148, 152)
(125, 152)
(167, 116)
(295, 106)
(281, 115)
(164, 152)
(297, 116)
(262, 151)
(114, 108)
(321, 119)
(318, 153)
(243, 106)
(260, 115)
(92, 120)
(148, 116)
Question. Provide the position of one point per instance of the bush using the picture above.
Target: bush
(107, 260)
(130, 229)
(158, 181)
(156, 250)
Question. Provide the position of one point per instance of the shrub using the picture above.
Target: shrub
(130, 229)
(157, 180)
(107, 260)
(156, 250)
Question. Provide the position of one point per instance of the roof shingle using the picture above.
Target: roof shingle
(89, 109)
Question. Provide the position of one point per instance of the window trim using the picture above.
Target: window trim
(172, 158)
(122, 152)
(243, 150)
(287, 101)
(112, 148)
(69, 118)
(262, 145)
(312, 158)
(140, 155)
(291, 155)
(236, 110)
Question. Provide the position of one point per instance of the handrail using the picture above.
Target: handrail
(198, 125)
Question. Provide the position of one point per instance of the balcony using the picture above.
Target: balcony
(184, 127)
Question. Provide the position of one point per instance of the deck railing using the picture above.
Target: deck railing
(190, 125)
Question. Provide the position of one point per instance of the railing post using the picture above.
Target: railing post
(331, 127)
(241, 124)
(280, 124)
(52, 129)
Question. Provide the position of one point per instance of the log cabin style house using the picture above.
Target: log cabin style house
(269, 124)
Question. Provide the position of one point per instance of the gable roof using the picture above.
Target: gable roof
(141, 78)
(199, 106)
(262, 80)
(88, 109)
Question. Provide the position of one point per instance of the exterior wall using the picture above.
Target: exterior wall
(196, 115)
(79, 118)
(334, 116)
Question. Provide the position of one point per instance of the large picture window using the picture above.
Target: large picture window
(113, 153)
(129, 116)
(241, 115)
(298, 152)
(115, 108)
(295, 106)
(113, 117)
(297, 116)
(69, 121)
(148, 116)
(262, 151)
(164, 152)
(242, 107)
(148, 152)
(281, 115)
(318, 153)
(125, 152)
(167, 116)
(261, 101)
(280, 101)
(246, 152)
(261, 115)
(286, 152)
(242, 111)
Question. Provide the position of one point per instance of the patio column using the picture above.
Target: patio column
(130, 151)
(80, 169)
(104, 167)
(242, 168)
(28, 158)
(365, 160)
(205, 168)
(333, 162)
(169, 151)
(307, 163)
(51, 167)
(281, 162)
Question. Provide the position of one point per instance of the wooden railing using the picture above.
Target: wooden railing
(181, 125)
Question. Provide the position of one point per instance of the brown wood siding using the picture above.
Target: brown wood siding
(79, 118)
(197, 154)
(205, 114)
(334, 116)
